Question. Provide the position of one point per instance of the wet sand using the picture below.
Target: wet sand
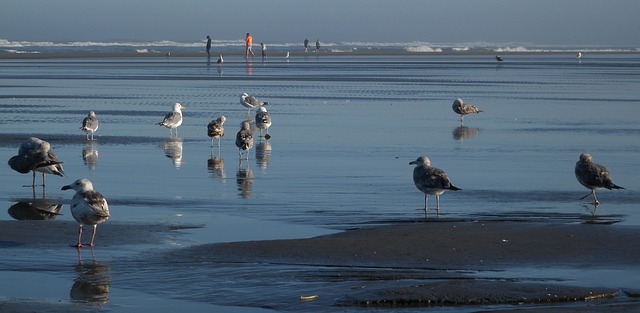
(396, 251)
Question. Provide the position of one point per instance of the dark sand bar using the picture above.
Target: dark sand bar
(433, 262)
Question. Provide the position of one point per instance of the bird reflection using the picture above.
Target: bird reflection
(90, 154)
(93, 282)
(216, 166)
(594, 218)
(244, 179)
(173, 149)
(263, 154)
(37, 209)
(465, 132)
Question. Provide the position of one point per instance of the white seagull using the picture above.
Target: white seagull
(244, 139)
(250, 102)
(215, 129)
(36, 155)
(593, 176)
(463, 108)
(90, 124)
(173, 119)
(430, 180)
(88, 207)
(220, 59)
(263, 121)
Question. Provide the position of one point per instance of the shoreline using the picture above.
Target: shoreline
(280, 54)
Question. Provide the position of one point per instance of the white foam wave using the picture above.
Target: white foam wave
(19, 51)
(422, 48)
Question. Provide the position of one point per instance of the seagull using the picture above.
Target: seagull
(173, 119)
(593, 176)
(287, 55)
(220, 59)
(263, 121)
(215, 129)
(430, 180)
(463, 109)
(579, 55)
(90, 124)
(499, 58)
(244, 139)
(250, 102)
(88, 207)
(36, 155)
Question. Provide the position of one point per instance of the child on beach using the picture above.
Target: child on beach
(264, 50)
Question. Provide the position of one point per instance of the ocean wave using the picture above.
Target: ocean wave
(422, 48)
(16, 46)
(19, 51)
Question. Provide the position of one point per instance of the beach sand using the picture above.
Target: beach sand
(438, 248)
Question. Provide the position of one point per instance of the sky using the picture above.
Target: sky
(565, 22)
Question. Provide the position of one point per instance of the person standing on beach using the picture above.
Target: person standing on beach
(306, 45)
(208, 47)
(317, 45)
(263, 47)
(249, 41)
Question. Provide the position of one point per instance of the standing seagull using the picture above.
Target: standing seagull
(244, 139)
(263, 121)
(90, 124)
(430, 180)
(88, 207)
(220, 59)
(462, 108)
(593, 176)
(579, 55)
(215, 129)
(499, 58)
(250, 102)
(36, 155)
(173, 119)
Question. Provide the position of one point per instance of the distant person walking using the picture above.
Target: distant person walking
(306, 45)
(317, 45)
(208, 47)
(249, 41)
(263, 47)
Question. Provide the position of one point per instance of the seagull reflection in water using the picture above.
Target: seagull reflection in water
(93, 282)
(263, 154)
(90, 154)
(465, 132)
(215, 165)
(37, 209)
(244, 179)
(173, 150)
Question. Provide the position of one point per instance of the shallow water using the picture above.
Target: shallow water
(344, 130)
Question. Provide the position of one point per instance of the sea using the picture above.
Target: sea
(170, 46)
(345, 127)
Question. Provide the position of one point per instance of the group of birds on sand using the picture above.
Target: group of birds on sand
(434, 181)
(215, 128)
(89, 207)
